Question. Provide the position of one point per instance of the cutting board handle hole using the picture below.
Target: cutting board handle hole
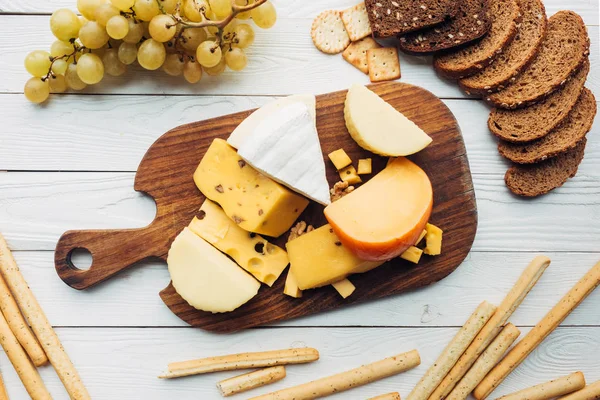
(80, 259)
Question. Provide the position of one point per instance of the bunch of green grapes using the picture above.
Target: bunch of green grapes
(183, 37)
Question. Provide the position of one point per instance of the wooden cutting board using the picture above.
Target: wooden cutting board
(165, 174)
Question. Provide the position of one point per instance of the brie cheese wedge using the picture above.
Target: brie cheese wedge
(283, 144)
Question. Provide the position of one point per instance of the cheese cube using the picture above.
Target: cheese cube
(318, 258)
(340, 159)
(349, 175)
(291, 287)
(421, 236)
(253, 201)
(344, 287)
(412, 254)
(433, 240)
(365, 166)
(253, 253)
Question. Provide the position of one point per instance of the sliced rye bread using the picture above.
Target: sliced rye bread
(470, 23)
(536, 121)
(516, 56)
(562, 51)
(563, 138)
(505, 16)
(389, 18)
(537, 179)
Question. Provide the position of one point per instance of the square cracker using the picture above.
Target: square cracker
(356, 21)
(356, 53)
(383, 63)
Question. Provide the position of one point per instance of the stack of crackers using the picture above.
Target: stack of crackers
(349, 31)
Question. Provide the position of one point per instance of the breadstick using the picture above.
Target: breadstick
(388, 396)
(347, 380)
(485, 362)
(3, 394)
(40, 324)
(25, 369)
(241, 361)
(590, 392)
(548, 390)
(19, 327)
(513, 299)
(536, 335)
(452, 352)
(251, 380)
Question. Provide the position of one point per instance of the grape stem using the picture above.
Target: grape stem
(235, 10)
(76, 49)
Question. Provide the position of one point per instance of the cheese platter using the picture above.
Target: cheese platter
(171, 173)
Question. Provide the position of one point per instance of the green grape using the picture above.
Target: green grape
(72, 78)
(65, 24)
(236, 59)
(117, 27)
(192, 9)
(229, 29)
(217, 69)
(135, 33)
(93, 35)
(36, 90)
(245, 14)
(99, 52)
(264, 16)
(87, 8)
(173, 65)
(212, 29)
(146, 9)
(57, 84)
(162, 28)
(59, 67)
(123, 5)
(37, 63)
(221, 8)
(90, 69)
(244, 36)
(191, 39)
(208, 54)
(192, 71)
(112, 65)
(151, 54)
(127, 53)
(105, 12)
(60, 48)
(168, 5)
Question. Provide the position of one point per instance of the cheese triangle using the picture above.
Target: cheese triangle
(284, 145)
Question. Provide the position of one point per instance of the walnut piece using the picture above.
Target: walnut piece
(299, 229)
(340, 189)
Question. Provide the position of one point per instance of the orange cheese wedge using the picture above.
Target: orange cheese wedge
(385, 216)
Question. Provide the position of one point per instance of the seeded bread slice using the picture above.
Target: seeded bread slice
(517, 55)
(504, 16)
(536, 121)
(537, 179)
(565, 137)
(470, 23)
(563, 50)
(389, 18)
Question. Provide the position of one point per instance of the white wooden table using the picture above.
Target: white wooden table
(70, 164)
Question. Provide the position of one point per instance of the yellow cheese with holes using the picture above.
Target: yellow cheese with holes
(433, 240)
(349, 175)
(339, 158)
(344, 287)
(365, 166)
(318, 258)
(291, 286)
(253, 201)
(205, 277)
(263, 260)
(412, 254)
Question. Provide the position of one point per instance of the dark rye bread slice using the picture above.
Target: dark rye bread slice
(516, 56)
(563, 138)
(536, 121)
(470, 23)
(504, 16)
(389, 18)
(537, 179)
(562, 51)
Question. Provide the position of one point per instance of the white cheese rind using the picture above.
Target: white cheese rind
(285, 147)
(206, 278)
